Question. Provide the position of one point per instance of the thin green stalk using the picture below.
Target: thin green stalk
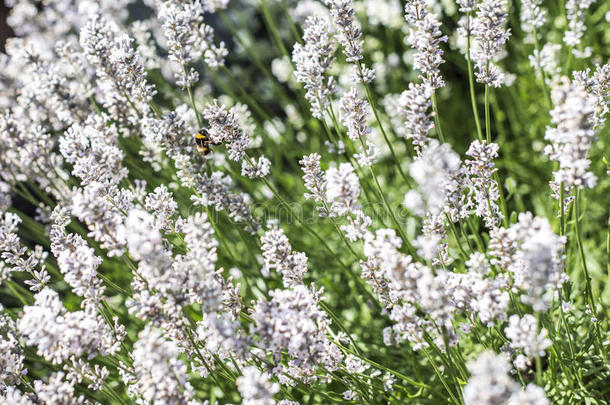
(360, 175)
(477, 237)
(385, 135)
(487, 117)
(588, 288)
(440, 376)
(503, 206)
(345, 241)
(457, 238)
(296, 217)
(272, 27)
(348, 158)
(545, 88)
(389, 208)
(337, 320)
(538, 360)
(608, 247)
(475, 110)
(193, 105)
(11, 285)
(437, 121)
(386, 369)
(562, 229)
(567, 327)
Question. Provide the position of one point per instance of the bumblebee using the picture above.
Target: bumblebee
(202, 140)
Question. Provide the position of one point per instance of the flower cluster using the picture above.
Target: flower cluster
(349, 36)
(575, 12)
(534, 255)
(571, 136)
(425, 37)
(491, 384)
(312, 61)
(278, 255)
(291, 321)
(59, 334)
(488, 28)
(152, 251)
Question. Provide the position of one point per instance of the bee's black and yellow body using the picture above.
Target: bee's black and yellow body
(202, 140)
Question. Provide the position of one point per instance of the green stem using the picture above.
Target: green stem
(389, 208)
(475, 110)
(487, 117)
(385, 135)
(274, 31)
(562, 230)
(440, 376)
(588, 289)
(542, 72)
(437, 121)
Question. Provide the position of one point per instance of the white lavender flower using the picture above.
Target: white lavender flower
(225, 127)
(358, 225)
(161, 204)
(534, 255)
(75, 259)
(312, 61)
(349, 36)
(292, 321)
(466, 6)
(101, 207)
(342, 189)
(315, 181)
(572, 135)
(532, 395)
(142, 35)
(119, 68)
(255, 387)
(425, 36)
(57, 390)
(161, 377)
(213, 189)
(12, 395)
(92, 148)
(489, 298)
(533, 16)
(432, 171)
(59, 334)
(355, 111)
(11, 353)
(575, 13)
(278, 255)
(79, 370)
(26, 151)
(523, 335)
(369, 156)
(490, 383)
(488, 27)
(349, 29)
(597, 86)
(20, 258)
(485, 189)
(416, 104)
(547, 60)
(259, 168)
(180, 23)
(190, 277)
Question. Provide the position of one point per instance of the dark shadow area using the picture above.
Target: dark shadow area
(5, 31)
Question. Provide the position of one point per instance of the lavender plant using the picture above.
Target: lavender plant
(305, 202)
